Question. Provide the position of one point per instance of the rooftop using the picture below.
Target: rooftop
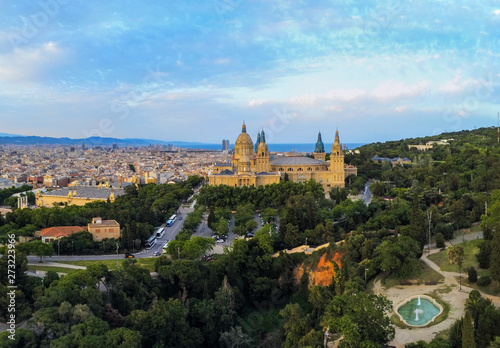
(296, 160)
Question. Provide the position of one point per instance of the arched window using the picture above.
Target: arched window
(309, 169)
(290, 169)
(299, 170)
(281, 169)
(317, 169)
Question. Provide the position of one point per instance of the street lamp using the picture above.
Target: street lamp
(58, 247)
(117, 246)
(72, 250)
(366, 269)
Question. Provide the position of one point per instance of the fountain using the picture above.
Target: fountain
(419, 310)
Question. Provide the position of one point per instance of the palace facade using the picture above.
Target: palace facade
(251, 165)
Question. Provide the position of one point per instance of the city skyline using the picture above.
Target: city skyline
(178, 71)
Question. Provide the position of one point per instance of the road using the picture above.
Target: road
(170, 233)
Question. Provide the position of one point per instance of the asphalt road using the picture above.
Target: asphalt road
(170, 233)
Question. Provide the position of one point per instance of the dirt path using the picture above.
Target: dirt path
(448, 291)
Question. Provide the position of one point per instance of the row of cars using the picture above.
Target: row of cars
(220, 239)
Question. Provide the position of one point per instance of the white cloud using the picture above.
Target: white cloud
(29, 64)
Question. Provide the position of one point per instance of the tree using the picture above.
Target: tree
(123, 338)
(417, 229)
(450, 253)
(484, 254)
(41, 249)
(235, 338)
(400, 257)
(439, 240)
(472, 274)
(361, 319)
(495, 258)
(468, 332)
(458, 257)
(456, 333)
(295, 326)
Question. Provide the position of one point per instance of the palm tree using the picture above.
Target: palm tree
(451, 253)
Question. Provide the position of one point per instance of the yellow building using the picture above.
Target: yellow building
(247, 168)
(102, 229)
(302, 168)
(77, 195)
(253, 169)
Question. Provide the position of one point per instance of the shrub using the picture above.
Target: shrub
(445, 229)
(472, 273)
(439, 240)
(484, 281)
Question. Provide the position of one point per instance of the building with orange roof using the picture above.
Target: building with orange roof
(52, 233)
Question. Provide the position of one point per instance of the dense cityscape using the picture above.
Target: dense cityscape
(241, 174)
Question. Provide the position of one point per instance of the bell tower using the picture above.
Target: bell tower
(337, 158)
(262, 159)
(319, 151)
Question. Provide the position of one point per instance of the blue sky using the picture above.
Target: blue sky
(194, 70)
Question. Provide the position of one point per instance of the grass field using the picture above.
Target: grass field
(470, 251)
(148, 263)
(424, 274)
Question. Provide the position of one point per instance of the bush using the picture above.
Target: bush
(445, 229)
(484, 281)
(472, 273)
(439, 240)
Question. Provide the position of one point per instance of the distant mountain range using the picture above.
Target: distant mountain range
(14, 139)
(9, 135)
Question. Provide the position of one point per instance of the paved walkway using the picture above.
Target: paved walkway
(56, 264)
(450, 293)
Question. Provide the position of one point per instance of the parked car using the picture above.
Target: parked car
(220, 241)
(129, 256)
(250, 235)
(156, 253)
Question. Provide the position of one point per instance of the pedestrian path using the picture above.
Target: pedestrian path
(450, 293)
(56, 264)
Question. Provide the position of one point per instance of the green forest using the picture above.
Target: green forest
(254, 294)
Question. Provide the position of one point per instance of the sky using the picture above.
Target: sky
(195, 70)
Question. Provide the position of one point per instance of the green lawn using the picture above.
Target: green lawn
(423, 275)
(148, 263)
(470, 251)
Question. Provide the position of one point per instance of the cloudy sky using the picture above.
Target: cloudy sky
(194, 70)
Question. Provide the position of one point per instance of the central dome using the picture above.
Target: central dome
(244, 140)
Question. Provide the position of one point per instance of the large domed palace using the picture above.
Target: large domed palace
(251, 165)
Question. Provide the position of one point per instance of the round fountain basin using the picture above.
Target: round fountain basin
(427, 311)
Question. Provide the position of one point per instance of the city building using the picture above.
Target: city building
(77, 195)
(225, 145)
(247, 168)
(252, 165)
(52, 233)
(303, 168)
(394, 161)
(102, 229)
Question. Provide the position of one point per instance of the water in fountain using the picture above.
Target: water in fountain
(418, 303)
(426, 311)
